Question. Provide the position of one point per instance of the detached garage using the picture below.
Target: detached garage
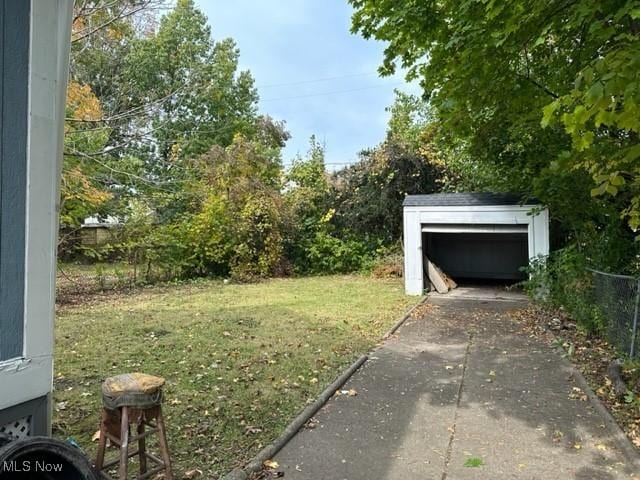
(472, 236)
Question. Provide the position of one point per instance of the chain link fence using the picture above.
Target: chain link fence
(617, 298)
(75, 281)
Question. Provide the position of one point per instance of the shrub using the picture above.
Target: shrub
(562, 280)
(258, 238)
(389, 265)
(208, 234)
(330, 254)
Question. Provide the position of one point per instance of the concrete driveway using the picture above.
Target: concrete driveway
(462, 393)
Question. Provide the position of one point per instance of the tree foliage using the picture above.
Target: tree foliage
(198, 96)
(533, 89)
(368, 196)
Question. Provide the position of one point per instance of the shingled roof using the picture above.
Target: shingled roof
(467, 199)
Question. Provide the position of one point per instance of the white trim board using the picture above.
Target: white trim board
(471, 228)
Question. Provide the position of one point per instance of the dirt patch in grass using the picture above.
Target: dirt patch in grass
(240, 360)
(592, 355)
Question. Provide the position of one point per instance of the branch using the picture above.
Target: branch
(545, 89)
(127, 113)
(124, 13)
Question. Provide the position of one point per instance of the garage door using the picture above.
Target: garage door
(478, 251)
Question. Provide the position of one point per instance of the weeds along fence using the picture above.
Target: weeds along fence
(77, 280)
(617, 299)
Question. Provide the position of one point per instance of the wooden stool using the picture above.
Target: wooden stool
(132, 399)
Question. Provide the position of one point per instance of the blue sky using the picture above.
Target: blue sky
(301, 54)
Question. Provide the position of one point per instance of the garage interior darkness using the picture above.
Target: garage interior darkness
(475, 256)
(478, 251)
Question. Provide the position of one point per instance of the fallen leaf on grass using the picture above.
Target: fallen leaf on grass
(96, 436)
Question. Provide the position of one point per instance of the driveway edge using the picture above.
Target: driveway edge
(617, 434)
(255, 464)
(268, 452)
(406, 316)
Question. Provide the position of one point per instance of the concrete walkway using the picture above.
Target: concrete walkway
(462, 386)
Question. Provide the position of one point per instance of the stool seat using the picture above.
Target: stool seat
(137, 390)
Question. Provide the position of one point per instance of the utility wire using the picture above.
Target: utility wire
(335, 92)
(317, 80)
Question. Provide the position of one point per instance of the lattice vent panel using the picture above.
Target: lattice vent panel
(18, 429)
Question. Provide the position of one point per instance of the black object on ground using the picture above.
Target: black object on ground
(43, 458)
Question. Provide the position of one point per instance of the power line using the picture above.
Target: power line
(335, 92)
(317, 80)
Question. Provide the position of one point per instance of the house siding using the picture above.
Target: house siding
(14, 61)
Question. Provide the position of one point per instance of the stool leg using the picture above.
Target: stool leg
(142, 448)
(102, 441)
(124, 443)
(164, 449)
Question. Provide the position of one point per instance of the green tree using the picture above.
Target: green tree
(529, 87)
(102, 32)
(369, 194)
(194, 97)
(241, 226)
(308, 201)
(201, 98)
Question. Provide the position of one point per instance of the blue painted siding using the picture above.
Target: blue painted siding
(14, 68)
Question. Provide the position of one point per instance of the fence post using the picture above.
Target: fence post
(634, 332)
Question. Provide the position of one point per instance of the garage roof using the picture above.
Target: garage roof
(467, 199)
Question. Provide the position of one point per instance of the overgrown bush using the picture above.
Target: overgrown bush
(563, 280)
(331, 254)
(208, 234)
(388, 265)
(258, 239)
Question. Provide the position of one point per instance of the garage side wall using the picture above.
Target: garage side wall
(413, 253)
(539, 235)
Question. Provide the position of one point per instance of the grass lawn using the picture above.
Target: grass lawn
(240, 360)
